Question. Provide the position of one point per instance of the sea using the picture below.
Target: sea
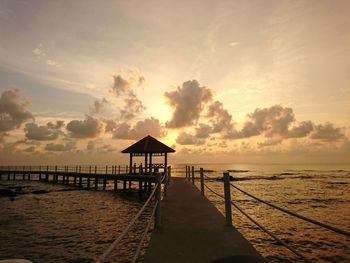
(56, 223)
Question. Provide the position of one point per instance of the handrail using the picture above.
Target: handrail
(332, 228)
(261, 227)
(270, 233)
(136, 255)
(107, 253)
(104, 256)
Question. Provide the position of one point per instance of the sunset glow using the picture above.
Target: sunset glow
(241, 81)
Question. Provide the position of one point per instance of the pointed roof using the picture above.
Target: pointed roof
(148, 145)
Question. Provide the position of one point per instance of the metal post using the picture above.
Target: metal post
(227, 191)
(157, 217)
(202, 181)
(192, 174)
(186, 171)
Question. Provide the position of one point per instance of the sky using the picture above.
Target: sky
(219, 81)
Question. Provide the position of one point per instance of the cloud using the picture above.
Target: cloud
(98, 106)
(52, 147)
(302, 130)
(47, 132)
(93, 147)
(124, 88)
(270, 142)
(272, 121)
(327, 132)
(13, 110)
(88, 128)
(53, 63)
(185, 138)
(219, 117)
(30, 149)
(40, 53)
(188, 101)
(133, 106)
(203, 130)
(233, 44)
(150, 126)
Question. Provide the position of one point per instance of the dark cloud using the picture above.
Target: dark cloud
(133, 106)
(68, 146)
(30, 149)
(150, 126)
(185, 138)
(47, 132)
(270, 142)
(98, 106)
(188, 101)
(110, 125)
(123, 86)
(88, 128)
(327, 132)
(13, 110)
(203, 130)
(219, 117)
(303, 129)
(273, 121)
(94, 147)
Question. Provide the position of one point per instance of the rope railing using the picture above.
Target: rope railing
(138, 250)
(155, 193)
(332, 228)
(227, 198)
(271, 234)
(259, 225)
(105, 255)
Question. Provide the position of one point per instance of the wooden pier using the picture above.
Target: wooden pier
(90, 179)
(193, 230)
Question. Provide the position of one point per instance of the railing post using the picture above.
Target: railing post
(227, 190)
(186, 171)
(202, 181)
(192, 174)
(157, 217)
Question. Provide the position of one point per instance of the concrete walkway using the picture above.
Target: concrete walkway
(193, 230)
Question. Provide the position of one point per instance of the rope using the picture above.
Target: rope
(211, 190)
(332, 228)
(144, 233)
(270, 234)
(104, 256)
(260, 226)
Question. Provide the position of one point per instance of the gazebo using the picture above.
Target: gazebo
(149, 147)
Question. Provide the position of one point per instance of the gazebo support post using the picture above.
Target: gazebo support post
(150, 163)
(130, 164)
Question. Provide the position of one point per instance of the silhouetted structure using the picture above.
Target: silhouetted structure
(149, 147)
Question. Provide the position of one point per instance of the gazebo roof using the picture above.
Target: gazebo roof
(148, 145)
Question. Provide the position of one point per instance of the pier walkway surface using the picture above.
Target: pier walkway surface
(193, 230)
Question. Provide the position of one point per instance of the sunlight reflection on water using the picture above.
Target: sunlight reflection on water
(68, 226)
